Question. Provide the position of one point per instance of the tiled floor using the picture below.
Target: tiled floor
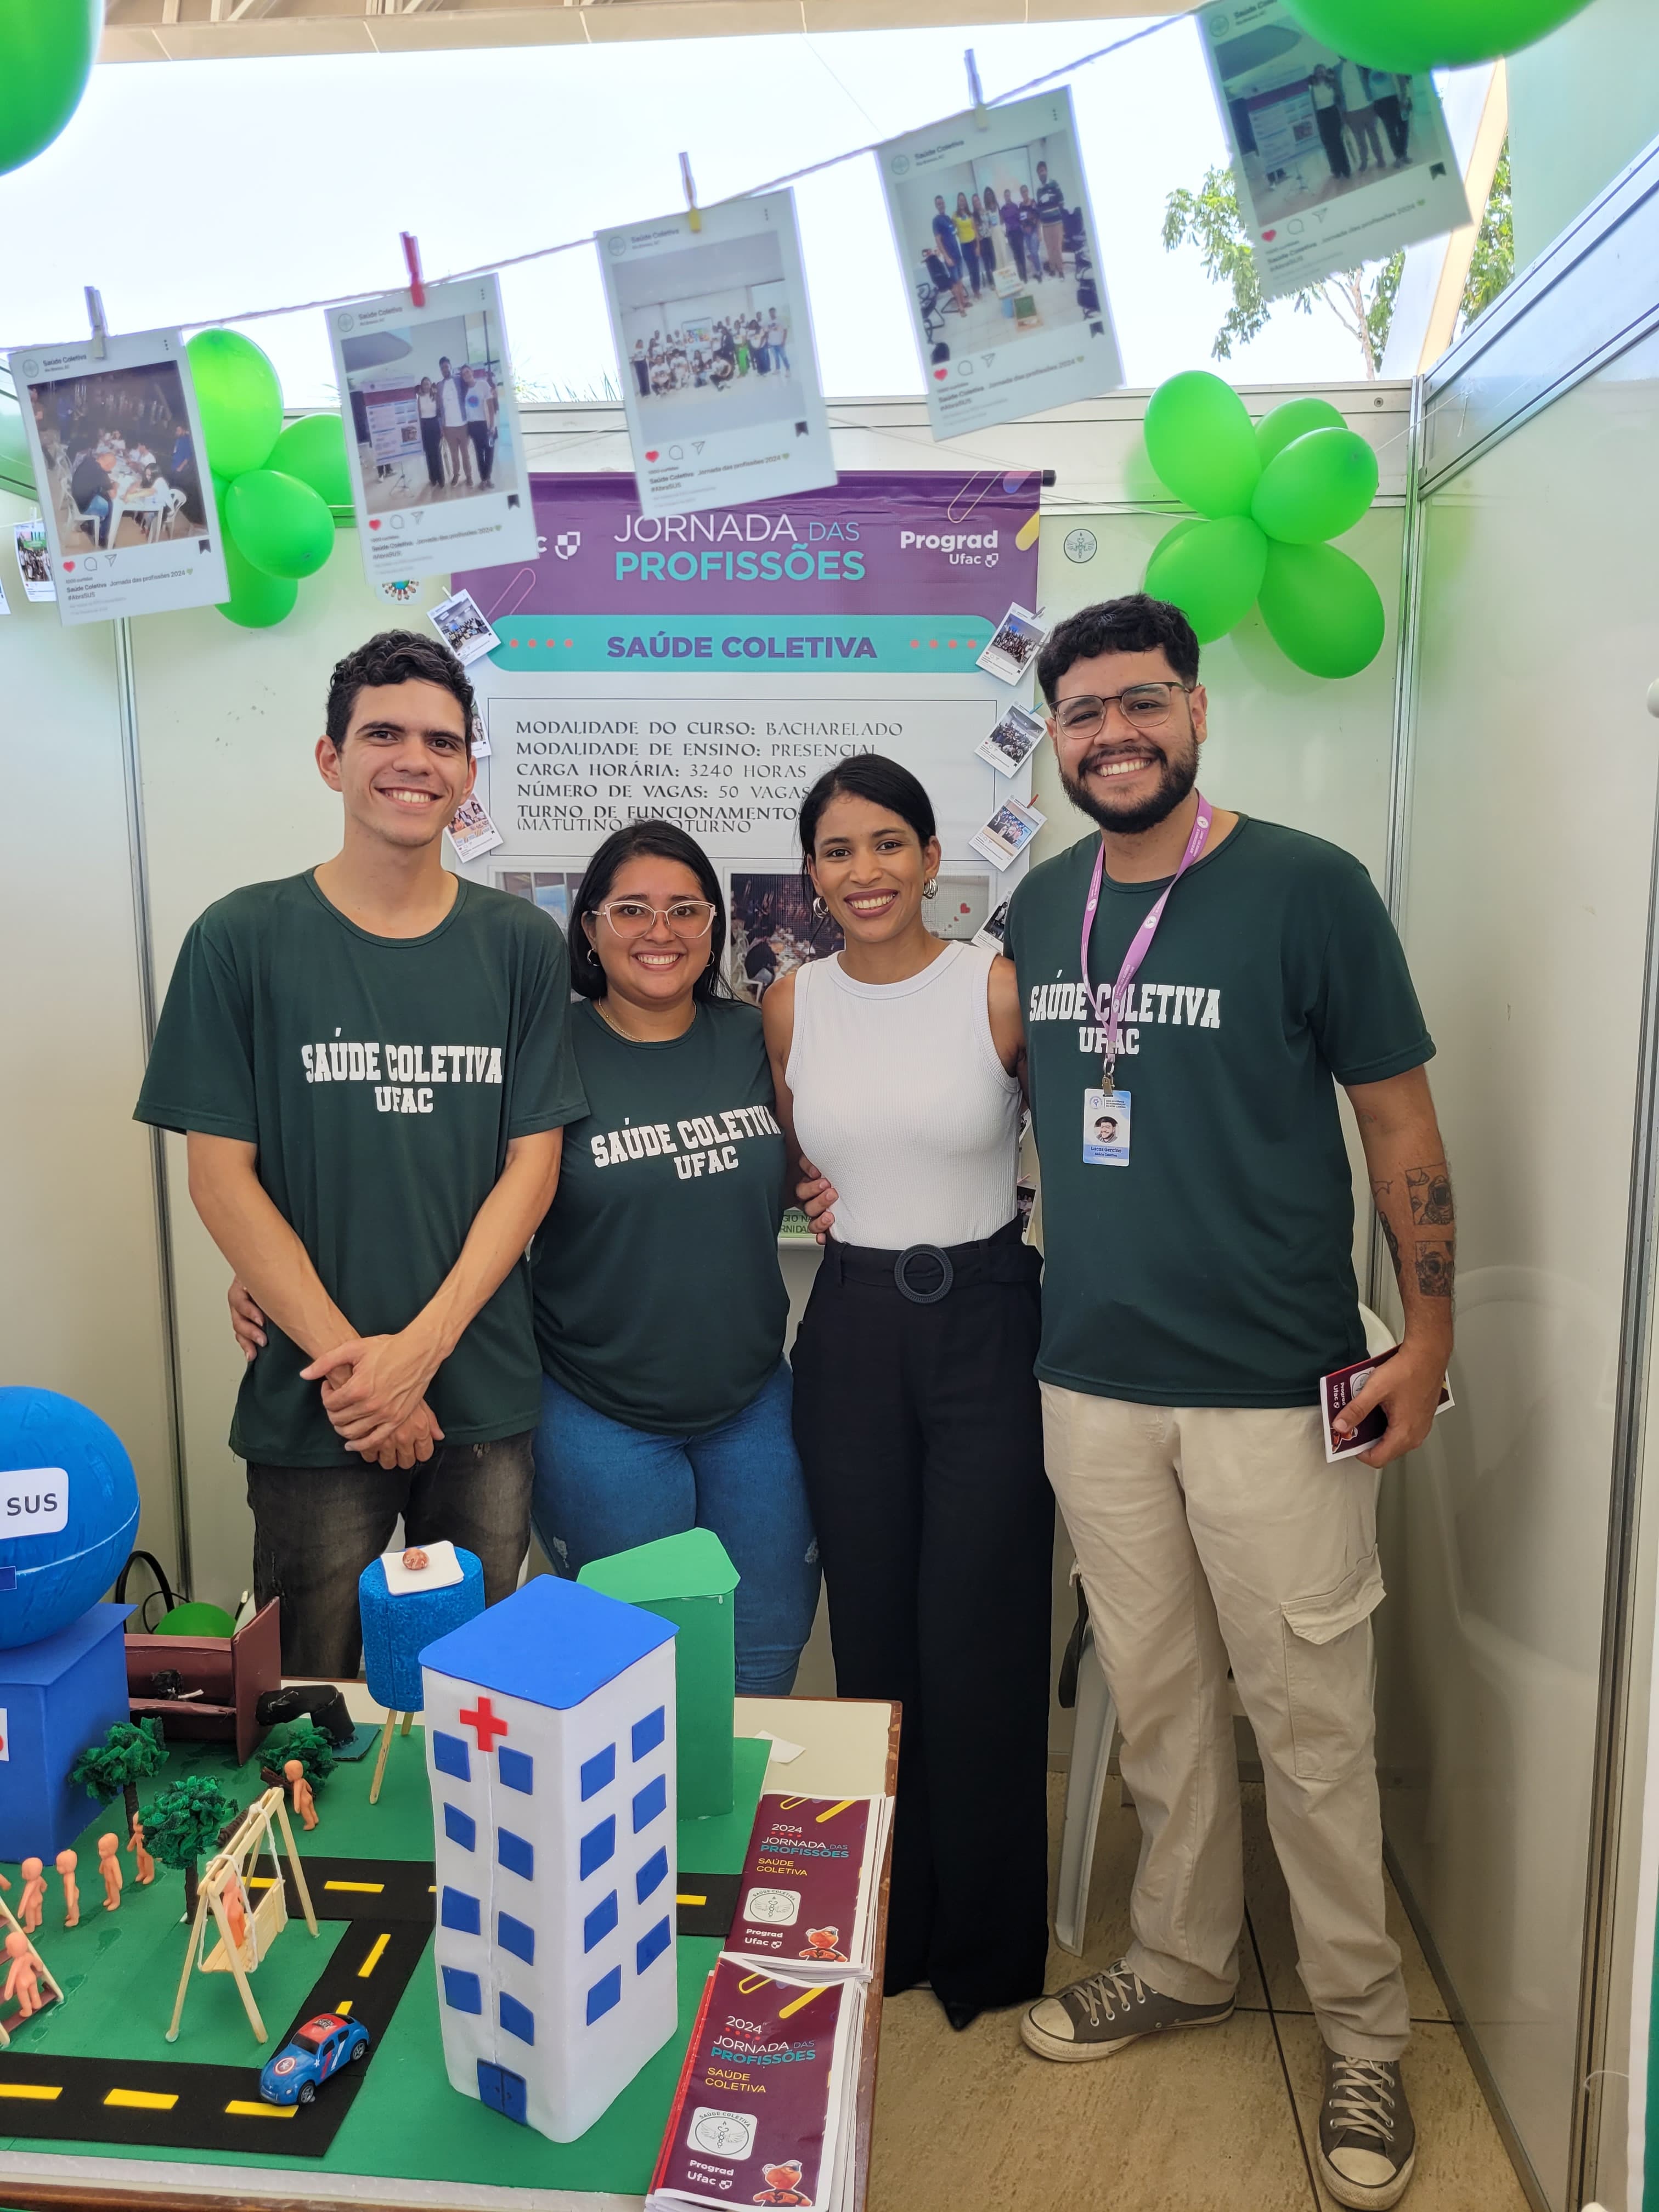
(1219, 2117)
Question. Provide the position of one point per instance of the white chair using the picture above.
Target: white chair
(1092, 1738)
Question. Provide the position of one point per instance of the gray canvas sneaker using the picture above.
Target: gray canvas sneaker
(1367, 2143)
(1093, 2018)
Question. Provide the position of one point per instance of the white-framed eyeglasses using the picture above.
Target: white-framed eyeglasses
(683, 918)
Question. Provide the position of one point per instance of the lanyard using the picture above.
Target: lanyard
(1141, 943)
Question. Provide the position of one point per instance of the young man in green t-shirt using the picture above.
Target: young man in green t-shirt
(1198, 1280)
(372, 1068)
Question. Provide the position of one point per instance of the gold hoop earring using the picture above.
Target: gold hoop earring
(930, 889)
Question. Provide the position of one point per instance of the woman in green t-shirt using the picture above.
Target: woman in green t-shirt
(660, 1308)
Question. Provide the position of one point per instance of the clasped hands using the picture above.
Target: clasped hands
(373, 1388)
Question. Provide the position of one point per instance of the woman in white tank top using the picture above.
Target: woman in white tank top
(897, 1066)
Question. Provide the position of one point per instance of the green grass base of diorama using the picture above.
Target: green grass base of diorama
(119, 1971)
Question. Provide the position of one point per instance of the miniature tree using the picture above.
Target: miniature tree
(129, 1752)
(312, 1748)
(183, 1822)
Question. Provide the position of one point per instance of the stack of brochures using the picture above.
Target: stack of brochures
(807, 1902)
(764, 2112)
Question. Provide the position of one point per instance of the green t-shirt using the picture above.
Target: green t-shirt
(1216, 1268)
(660, 1301)
(381, 1078)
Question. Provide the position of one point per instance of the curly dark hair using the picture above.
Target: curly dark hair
(1135, 623)
(663, 841)
(396, 656)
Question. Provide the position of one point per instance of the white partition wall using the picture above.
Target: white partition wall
(1525, 868)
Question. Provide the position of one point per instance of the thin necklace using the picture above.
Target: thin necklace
(616, 1029)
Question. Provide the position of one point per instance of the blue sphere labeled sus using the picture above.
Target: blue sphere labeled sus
(69, 1512)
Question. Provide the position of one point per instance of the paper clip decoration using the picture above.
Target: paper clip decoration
(976, 93)
(95, 317)
(691, 191)
(412, 256)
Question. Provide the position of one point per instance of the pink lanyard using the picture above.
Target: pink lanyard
(1141, 943)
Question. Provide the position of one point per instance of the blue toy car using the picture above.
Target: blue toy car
(325, 2044)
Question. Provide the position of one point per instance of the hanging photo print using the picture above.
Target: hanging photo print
(115, 437)
(1012, 741)
(1000, 255)
(432, 432)
(719, 374)
(34, 562)
(1335, 163)
(1015, 644)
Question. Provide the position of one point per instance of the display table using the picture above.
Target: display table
(144, 2112)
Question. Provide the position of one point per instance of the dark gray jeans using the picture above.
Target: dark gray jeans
(315, 1528)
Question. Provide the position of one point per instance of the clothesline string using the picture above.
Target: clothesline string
(773, 184)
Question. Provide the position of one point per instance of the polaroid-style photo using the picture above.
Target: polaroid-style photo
(460, 623)
(719, 374)
(552, 890)
(1000, 249)
(772, 929)
(439, 476)
(1335, 163)
(959, 906)
(1012, 741)
(993, 930)
(34, 562)
(472, 833)
(1019, 638)
(120, 464)
(5, 604)
(1007, 833)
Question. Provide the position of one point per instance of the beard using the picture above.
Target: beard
(1177, 777)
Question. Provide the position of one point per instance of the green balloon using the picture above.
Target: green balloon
(1211, 571)
(1324, 612)
(256, 601)
(278, 523)
(1317, 488)
(1294, 420)
(313, 449)
(1413, 36)
(241, 400)
(47, 48)
(1200, 440)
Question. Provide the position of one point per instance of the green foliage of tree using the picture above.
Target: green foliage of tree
(1361, 299)
(308, 1744)
(182, 1822)
(1492, 263)
(131, 1752)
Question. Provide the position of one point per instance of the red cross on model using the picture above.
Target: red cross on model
(487, 1724)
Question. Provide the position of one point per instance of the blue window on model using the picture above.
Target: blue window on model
(460, 1827)
(604, 1993)
(652, 1875)
(651, 1945)
(651, 1800)
(515, 1854)
(599, 1770)
(460, 1910)
(449, 1756)
(517, 2019)
(517, 1769)
(649, 1732)
(513, 1935)
(461, 1990)
(600, 1922)
(597, 1845)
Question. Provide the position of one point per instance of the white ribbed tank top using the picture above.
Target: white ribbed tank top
(900, 1100)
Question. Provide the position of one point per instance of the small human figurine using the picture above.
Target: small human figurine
(144, 1871)
(66, 1863)
(109, 1865)
(235, 1917)
(35, 1891)
(415, 1559)
(305, 1805)
(22, 1976)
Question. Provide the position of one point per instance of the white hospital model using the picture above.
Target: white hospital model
(550, 1745)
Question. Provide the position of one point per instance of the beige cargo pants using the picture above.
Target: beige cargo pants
(1209, 1536)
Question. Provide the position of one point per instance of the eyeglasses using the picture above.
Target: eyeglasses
(688, 918)
(1143, 707)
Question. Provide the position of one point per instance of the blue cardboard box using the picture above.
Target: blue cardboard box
(56, 1697)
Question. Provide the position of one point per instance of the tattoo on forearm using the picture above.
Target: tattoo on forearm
(1430, 1194)
(1436, 1267)
(1393, 1242)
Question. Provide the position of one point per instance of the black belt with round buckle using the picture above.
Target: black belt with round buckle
(947, 1273)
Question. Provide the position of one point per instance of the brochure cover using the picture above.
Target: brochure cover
(806, 1904)
(1340, 1389)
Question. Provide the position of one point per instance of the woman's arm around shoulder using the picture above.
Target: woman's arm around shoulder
(1007, 1024)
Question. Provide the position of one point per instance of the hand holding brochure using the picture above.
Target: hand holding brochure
(1338, 1390)
(807, 1904)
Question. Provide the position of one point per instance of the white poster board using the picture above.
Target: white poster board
(997, 242)
(115, 440)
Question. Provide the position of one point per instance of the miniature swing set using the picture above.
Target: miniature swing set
(15, 1927)
(245, 1935)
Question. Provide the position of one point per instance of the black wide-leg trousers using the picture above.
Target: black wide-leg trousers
(920, 1428)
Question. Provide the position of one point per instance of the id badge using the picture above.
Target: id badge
(1105, 1128)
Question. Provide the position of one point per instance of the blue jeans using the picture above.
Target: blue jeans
(602, 1487)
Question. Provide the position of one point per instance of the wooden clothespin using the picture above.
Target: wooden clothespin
(687, 180)
(95, 317)
(412, 256)
(976, 93)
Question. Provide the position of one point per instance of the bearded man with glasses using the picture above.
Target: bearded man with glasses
(1225, 974)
